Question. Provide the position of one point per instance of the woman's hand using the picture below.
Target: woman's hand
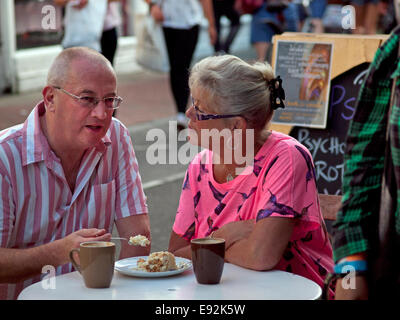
(156, 13)
(258, 246)
(179, 246)
(234, 231)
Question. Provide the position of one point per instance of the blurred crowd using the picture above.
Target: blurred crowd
(318, 16)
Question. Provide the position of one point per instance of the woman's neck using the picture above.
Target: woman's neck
(227, 165)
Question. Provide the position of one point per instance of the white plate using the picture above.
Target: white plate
(128, 267)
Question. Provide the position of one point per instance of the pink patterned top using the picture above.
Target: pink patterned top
(281, 184)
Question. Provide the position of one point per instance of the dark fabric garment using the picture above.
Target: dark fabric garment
(181, 44)
(109, 42)
(369, 220)
(225, 8)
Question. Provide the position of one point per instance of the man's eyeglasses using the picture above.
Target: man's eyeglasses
(111, 103)
(200, 115)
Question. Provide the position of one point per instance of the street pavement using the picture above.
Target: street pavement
(147, 105)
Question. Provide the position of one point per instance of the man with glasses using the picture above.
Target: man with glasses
(67, 174)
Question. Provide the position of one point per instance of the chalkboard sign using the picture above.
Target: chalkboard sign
(327, 146)
(305, 68)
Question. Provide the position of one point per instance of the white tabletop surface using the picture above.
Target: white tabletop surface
(236, 284)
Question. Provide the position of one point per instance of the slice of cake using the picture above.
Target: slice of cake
(158, 262)
(139, 240)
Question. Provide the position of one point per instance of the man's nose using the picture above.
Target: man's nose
(100, 111)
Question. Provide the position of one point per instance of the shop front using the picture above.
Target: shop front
(31, 32)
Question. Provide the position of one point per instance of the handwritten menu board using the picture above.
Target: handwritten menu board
(328, 146)
(305, 69)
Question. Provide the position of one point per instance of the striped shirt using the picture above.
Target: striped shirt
(37, 206)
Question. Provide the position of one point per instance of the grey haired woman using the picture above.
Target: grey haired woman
(267, 210)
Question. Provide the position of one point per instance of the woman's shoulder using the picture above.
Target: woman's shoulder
(201, 158)
(283, 153)
(281, 143)
(199, 161)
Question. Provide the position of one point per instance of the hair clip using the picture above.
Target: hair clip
(277, 94)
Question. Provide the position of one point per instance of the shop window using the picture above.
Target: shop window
(36, 26)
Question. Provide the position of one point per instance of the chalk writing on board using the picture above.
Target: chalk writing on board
(328, 146)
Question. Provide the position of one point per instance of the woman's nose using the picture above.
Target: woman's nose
(190, 113)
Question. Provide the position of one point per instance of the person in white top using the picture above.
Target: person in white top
(108, 37)
(107, 40)
(181, 21)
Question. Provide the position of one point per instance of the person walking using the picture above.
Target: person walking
(225, 8)
(181, 25)
(266, 23)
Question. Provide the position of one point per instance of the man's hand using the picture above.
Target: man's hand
(17, 265)
(360, 292)
(156, 13)
(76, 238)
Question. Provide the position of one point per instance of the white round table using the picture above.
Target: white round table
(236, 284)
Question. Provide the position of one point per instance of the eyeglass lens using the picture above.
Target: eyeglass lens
(110, 103)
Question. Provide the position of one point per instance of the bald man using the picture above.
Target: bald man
(67, 174)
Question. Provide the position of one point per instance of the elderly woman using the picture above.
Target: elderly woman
(267, 212)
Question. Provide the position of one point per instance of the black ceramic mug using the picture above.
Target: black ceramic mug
(208, 256)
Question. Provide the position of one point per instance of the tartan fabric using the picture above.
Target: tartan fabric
(356, 227)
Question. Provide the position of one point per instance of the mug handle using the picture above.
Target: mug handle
(71, 257)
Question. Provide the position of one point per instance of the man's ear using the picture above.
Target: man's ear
(48, 98)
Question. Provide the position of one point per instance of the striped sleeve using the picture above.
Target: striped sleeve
(130, 198)
(6, 211)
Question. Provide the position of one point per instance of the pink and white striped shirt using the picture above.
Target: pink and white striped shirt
(37, 206)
